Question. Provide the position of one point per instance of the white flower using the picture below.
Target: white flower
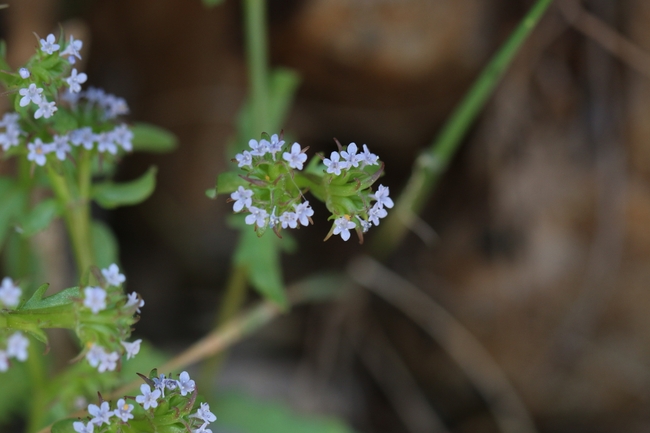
(101, 414)
(37, 152)
(334, 165)
(185, 384)
(160, 383)
(80, 427)
(108, 362)
(17, 346)
(95, 354)
(45, 109)
(367, 158)
(148, 398)
(30, 94)
(303, 212)
(83, 136)
(275, 145)
(243, 198)
(72, 50)
(60, 146)
(203, 413)
(133, 299)
(342, 226)
(351, 156)
(75, 80)
(365, 225)
(95, 299)
(202, 429)
(123, 136)
(105, 143)
(114, 106)
(296, 158)
(48, 44)
(375, 213)
(132, 349)
(9, 293)
(24, 73)
(10, 119)
(289, 219)
(258, 216)
(259, 148)
(273, 219)
(244, 159)
(113, 276)
(11, 137)
(382, 197)
(4, 361)
(123, 410)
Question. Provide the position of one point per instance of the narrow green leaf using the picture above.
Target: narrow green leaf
(150, 138)
(59, 299)
(283, 84)
(110, 195)
(105, 245)
(228, 182)
(40, 217)
(261, 257)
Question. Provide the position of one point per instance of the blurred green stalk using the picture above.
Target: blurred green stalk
(432, 162)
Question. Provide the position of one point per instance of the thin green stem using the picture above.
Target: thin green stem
(38, 381)
(258, 61)
(433, 162)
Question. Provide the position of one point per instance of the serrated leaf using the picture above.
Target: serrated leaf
(40, 217)
(64, 297)
(150, 138)
(228, 182)
(110, 195)
(105, 246)
(261, 257)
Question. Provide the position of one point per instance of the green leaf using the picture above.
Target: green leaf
(244, 414)
(40, 217)
(110, 195)
(228, 182)
(105, 245)
(150, 138)
(261, 257)
(64, 297)
(283, 84)
(212, 3)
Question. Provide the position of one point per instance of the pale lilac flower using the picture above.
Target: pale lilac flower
(101, 414)
(160, 383)
(17, 346)
(4, 361)
(275, 145)
(202, 429)
(95, 95)
(11, 137)
(303, 212)
(60, 146)
(334, 165)
(365, 225)
(95, 354)
(375, 213)
(9, 293)
(108, 362)
(132, 300)
(203, 413)
(113, 276)
(244, 159)
(70, 97)
(259, 147)
(30, 94)
(24, 73)
(289, 219)
(10, 120)
(123, 136)
(49, 44)
(45, 109)
(80, 427)
(185, 384)
(83, 136)
(382, 197)
(95, 299)
(296, 158)
(273, 219)
(243, 198)
(148, 398)
(123, 410)
(105, 143)
(350, 156)
(114, 106)
(342, 226)
(37, 152)
(257, 216)
(72, 50)
(367, 158)
(75, 80)
(132, 349)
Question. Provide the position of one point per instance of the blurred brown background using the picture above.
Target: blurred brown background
(542, 246)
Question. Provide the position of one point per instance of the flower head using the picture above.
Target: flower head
(243, 198)
(296, 158)
(101, 414)
(260, 148)
(95, 299)
(382, 197)
(37, 152)
(334, 164)
(134, 299)
(72, 50)
(108, 362)
(289, 219)
(342, 226)
(303, 212)
(45, 109)
(367, 158)
(113, 276)
(95, 354)
(49, 45)
(17, 346)
(244, 159)
(132, 349)
(106, 143)
(75, 80)
(148, 398)
(350, 155)
(275, 145)
(123, 136)
(24, 73)
(203, 413)
(9, 293)
(185, 384)
(257, 216)
(80, 427)
(30, 94)
(123, 410)
(376, 212)
(60, 146)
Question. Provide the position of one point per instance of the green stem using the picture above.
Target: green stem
(257, 59)
(432, 163)
(38, 380)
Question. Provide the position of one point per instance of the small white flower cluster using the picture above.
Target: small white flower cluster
(9, 293)
(17, 345)
(339, 162)
(95, 300)
(296, 158)
(33, 94)
(113, 106)
(343, 224)
(11, 135)
(107, 141)
(49, 46)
